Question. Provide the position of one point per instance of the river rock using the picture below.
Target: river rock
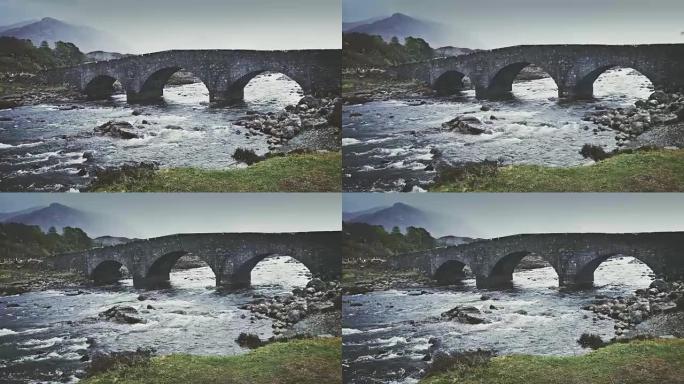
(249, 340)
(117, 129)
(465, 125)
(467, 315)
(121, 314)
(317, 284)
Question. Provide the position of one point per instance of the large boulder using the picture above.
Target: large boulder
(121, 314)
(117, 129)
(465, 125)
(467, 315)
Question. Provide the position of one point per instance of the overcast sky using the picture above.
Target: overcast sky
(155, 25)
(157, 214)
(498, 23)
(500, 214)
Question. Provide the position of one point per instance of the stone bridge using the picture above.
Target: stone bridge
(225, 73)
(573, 68)
(574, 256)
(231, 256)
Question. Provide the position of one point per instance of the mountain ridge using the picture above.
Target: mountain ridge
(51, 30)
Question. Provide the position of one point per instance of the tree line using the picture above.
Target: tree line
(17, 55)
(364, 241)
(366, 51)
(20, 241)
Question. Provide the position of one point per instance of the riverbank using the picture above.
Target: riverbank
(22, 278)
(358, 280)
(643, 362)
(299, 361)
(307, 172)
(659, 170)
(360, 89)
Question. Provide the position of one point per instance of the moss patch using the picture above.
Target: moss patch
(642, 171)
(309, 361)
(638, 362)
(311, 172)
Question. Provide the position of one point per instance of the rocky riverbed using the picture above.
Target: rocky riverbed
(57, 145)
(659, 298)
(312, 304)
(51, 335)
(660, 109)
(393, 143)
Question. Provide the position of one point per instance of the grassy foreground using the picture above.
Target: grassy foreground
(637, 362)
(642, 171)
(310, 361)
(311, 172)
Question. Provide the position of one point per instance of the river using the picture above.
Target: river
(42, 146)
(387, 145)
(44, 338)
(386, 333)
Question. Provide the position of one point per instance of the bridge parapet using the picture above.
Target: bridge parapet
(225, 73)
(231, 256)
(574, 256)
(574, 68)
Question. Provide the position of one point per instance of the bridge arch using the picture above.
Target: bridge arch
(100, 86)
(235, 93)
(153, 81)
(584, 278)
(450, 272)
(107, 272)
(499, 83)
(500, 275)
(241, 276)
(449, 82)
(586, 78)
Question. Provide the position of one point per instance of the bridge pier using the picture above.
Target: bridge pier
(146, 96)
(494, 282)
(229, 97)
(234, 281)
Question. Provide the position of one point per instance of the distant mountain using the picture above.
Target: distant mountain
(108, 241)
(448, 241)
(7, 215)
(398, 215)
(17, 25)
(60, 216)
(350, 216)
(452, 51)
(346, 26)
(402, 26)
(48, 29)
(104, 56)
(404, 216)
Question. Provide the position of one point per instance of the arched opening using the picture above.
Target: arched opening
(102, 87)
(450, 83)
(279, 273)
(451, 272)
(501, 275)
(179, 268)
(522, 80)
(617, 84)
(615, 271)
(191, 272)
(533, 271)
(109, 272)
(173, 85)
(266, 91)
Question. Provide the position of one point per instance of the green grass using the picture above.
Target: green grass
(312, 172)
(637, 362)
(642, 171)
(311, 361)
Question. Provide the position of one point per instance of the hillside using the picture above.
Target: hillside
(52, 30)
